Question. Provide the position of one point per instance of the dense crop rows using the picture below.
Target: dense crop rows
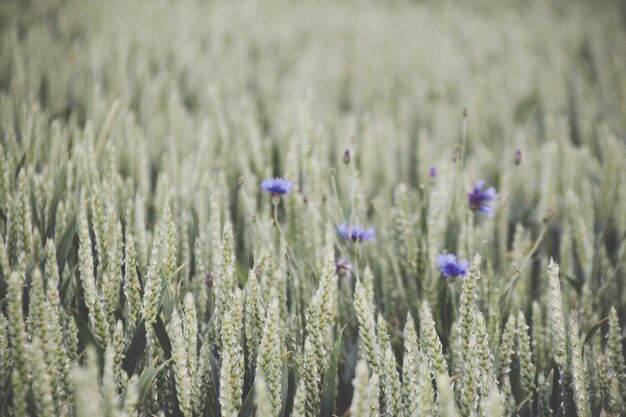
(301, 208)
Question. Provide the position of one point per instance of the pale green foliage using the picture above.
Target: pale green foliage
(367, 327)
(86, 387)
(190, 335)
(389, 377)
(224, 277)
(446, 398)
(253, 314)
(112, 274)
(108, 392)
(471, 399)
(410, 368)
(494, 406)
(467, 304)
(374, 399)
(42, 384)
(417, 379)
(488, 376)
(579, 371)
(36, 310)
(556, 315)
(507, 347)
(5, 356)
(204, 380)
(153, 278)
(169, 247)
(426, 394)
(269, 361)
(527, 368)
(307, 401)
(430, 342)
(121, 378)
(262, 399)
(615, 353)
(231, 372)
(361, 398)
(132, 288)
(20, 373)
(181, 365)
(88, 279)
(300, 399)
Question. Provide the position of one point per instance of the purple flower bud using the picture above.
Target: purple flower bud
(346, 156)
(343, 269)
(518, 157)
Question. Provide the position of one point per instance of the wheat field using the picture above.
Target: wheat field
(304, 208)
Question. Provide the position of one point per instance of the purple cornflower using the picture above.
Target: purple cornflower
(355, 232)
(432, 172)
(450, 267)
(276, 186)
(518, 157)
(343, 269)
(479, 200)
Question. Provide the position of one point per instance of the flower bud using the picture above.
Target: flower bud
(456, 152)
(343, 269)
(432, 174)
(547, 217)
(346, 156)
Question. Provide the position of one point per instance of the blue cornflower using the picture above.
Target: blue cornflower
(450, 267)
(355, 232)
(479, 200)
(277, 186)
